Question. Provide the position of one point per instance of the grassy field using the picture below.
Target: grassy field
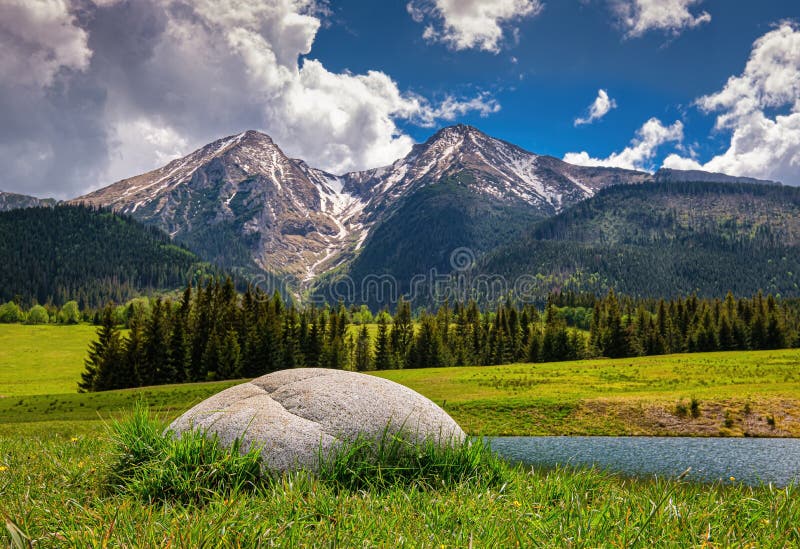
(56, 452)
(735, 394)
(55, 493)
(45, 359)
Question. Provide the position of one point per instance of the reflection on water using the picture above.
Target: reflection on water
(749, 460)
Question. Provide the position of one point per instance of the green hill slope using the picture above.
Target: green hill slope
(72, 252)
(664, 239)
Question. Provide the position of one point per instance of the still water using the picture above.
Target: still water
(749, 460)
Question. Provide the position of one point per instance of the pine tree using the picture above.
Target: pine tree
(426, 348)
(402, 333)
(134, 367)
(104, 357)
(228, 356)
(383, 352)
(179, 352)
(155, 349)
(363, 357)
(615, 337)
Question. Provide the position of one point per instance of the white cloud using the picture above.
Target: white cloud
(37, 39)
(640, 153)
(638, 17)
(762, 144)
(141, 142)
(153, 79)
(471, 24)
(601, 107)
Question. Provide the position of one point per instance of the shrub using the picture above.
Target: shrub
(38, 315)
(729, 419)
(694, 407)
(70, 314)
(10, 312)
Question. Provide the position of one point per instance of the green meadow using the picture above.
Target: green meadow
(753, 393)
(55, 493)
(58, 453)
(43, 359)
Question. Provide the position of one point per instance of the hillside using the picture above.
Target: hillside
(72, 252)
(12, 201)
(665, 239)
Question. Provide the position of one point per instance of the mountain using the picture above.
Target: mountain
(242, 203)
(497, 170)
(11, 201)
(460, 192)
(54, 254)
(667, 175)
(662, 239)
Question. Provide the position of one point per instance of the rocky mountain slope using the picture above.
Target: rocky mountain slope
(242, 202)
(11, 201)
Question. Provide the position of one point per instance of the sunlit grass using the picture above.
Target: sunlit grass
(55, 493)
(44, 359)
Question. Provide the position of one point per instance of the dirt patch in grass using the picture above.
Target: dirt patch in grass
(730, 418)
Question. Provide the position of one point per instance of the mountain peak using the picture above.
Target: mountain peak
(456, 131)
(256, 135)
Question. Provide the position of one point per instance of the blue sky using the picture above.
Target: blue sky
(552, 73)
(93, 91)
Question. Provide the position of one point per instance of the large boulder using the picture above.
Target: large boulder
(292, 415)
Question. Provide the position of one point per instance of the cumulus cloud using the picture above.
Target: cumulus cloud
(123, 86)
(638, 17)
(640, 153)
(471, 24)
(38, 38)
(761, 109)
(601, 107)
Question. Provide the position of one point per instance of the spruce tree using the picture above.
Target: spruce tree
(383, 351)
(402, 333)
(104, 356)
(363, 355)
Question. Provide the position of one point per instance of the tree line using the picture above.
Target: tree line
(212, 332)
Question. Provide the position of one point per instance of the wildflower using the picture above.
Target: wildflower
(74, 439)
(516, 504)
(80, 464)
(733, 479)
(3, 468)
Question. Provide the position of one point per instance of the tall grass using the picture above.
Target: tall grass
(53, 493)
(395, 461)
(191, 468)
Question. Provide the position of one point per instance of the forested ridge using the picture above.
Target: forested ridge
(664, 239)
(213, 332)
(63, 253)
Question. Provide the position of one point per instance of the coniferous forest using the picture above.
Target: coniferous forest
(212, 332)
(52, 255)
